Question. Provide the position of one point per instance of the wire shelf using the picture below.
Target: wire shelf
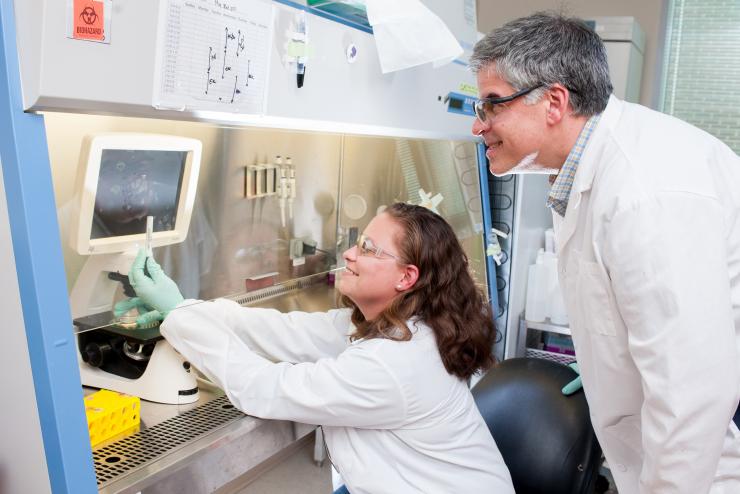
(549, 327)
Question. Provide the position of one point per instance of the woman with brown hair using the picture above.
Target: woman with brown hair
(385, 377)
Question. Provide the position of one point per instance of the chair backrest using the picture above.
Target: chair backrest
(545, 438)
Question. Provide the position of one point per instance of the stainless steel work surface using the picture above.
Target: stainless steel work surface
(195, 448)
(202, 446)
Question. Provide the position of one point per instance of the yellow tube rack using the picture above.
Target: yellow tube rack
(109, 413)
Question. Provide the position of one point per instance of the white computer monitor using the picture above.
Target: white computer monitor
(125, 177)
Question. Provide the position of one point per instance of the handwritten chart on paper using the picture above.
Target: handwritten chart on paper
(213, 55)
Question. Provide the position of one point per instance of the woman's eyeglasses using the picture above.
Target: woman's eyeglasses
(493, 106)
(366, 247)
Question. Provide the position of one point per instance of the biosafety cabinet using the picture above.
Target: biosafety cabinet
(281, 137)
(299, 140)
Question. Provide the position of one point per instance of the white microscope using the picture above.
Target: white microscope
(122, 179)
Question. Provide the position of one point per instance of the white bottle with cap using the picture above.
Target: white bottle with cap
(536, 304)
(550, 240)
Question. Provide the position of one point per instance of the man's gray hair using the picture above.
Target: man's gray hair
(548, 48)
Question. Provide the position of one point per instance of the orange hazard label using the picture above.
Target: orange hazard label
(88, 20)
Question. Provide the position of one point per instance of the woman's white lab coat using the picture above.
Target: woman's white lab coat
(394, 420)
(649, 256)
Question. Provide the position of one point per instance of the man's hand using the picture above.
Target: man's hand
(575, 384)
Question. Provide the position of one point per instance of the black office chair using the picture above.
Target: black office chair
(545, 438)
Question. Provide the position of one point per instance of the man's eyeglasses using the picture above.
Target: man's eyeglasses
(493, 106)
(366, 247)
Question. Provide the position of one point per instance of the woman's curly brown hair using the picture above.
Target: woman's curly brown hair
(444, 297)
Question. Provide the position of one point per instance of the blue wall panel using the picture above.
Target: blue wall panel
(41, 278)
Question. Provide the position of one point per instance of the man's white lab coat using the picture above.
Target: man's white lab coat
(649, 258)
(394, 420)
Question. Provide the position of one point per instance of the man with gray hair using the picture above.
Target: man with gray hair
(646, 210)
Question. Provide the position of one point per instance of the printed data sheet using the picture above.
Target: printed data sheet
(213, 55)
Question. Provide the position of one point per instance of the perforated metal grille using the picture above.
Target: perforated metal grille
(278, 290)
(555, 357)
(148, 445)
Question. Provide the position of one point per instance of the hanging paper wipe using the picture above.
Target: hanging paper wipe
(408, 34)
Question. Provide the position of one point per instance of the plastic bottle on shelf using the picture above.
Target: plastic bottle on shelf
(550, 240)
(536, 306)
(550, 280)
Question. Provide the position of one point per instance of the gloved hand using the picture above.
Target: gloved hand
(156, 291)
(575, 384)
(146, 314)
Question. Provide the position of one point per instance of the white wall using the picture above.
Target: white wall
(650, 14)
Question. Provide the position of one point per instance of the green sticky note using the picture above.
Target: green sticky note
(468, 89)
(297, 49)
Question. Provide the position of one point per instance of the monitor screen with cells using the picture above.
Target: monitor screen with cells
(134, 184)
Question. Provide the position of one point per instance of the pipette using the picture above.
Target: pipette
(128, 320)
(149, 230)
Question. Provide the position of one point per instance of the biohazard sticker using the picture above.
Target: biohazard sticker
(89, 20)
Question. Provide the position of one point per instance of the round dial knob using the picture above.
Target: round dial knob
(95, 354)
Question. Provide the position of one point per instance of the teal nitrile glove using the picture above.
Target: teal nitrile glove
(124, 306)
(156, 291)
(575, 384)
(146, 314)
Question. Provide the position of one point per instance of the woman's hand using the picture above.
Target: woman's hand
(146, 314)
(155, 291)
